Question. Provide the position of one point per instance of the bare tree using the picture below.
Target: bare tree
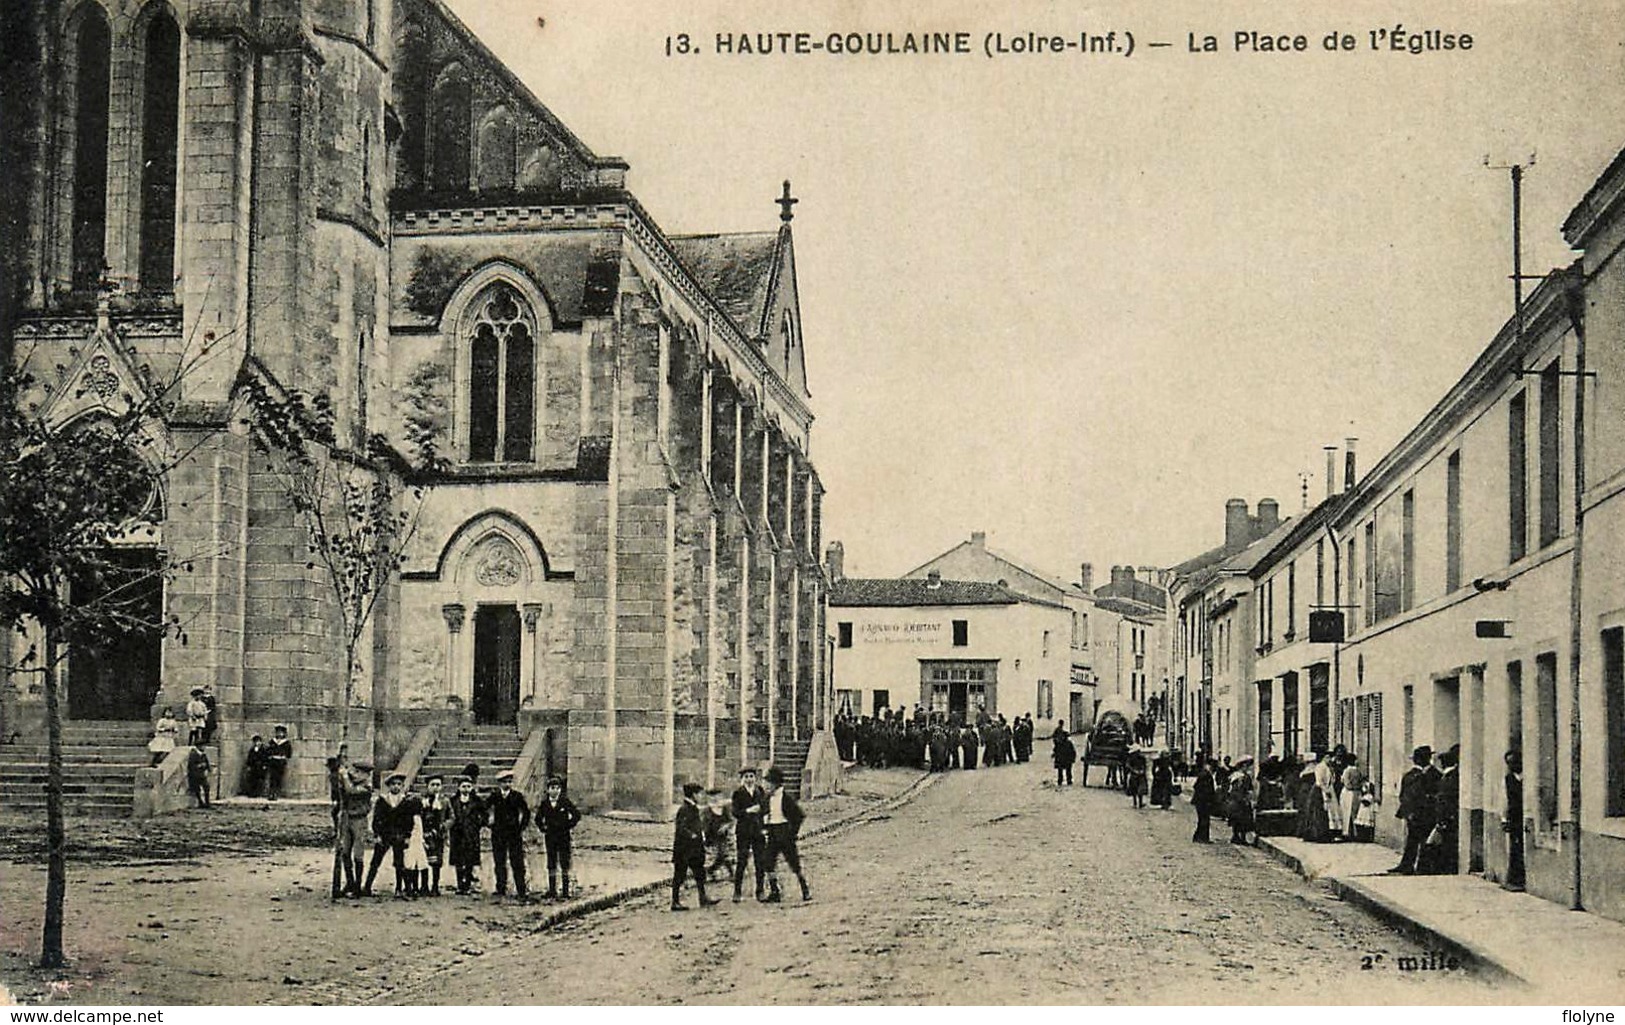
(359, 509)
(70, 502)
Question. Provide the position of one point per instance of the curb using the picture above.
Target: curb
(607, 900)
(1397, 916)
(828, 830)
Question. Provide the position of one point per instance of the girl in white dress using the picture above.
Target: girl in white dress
(417, 859)
(164, 732)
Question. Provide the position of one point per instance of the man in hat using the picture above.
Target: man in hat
(784, 818)
(1416, 808)
(750, 837)
(350, 809)
(392, 815)
(688, 848)
(510, 814)
(277, 753)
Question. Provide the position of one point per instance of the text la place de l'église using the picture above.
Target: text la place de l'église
(765, 43)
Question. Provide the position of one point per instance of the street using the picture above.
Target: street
(991, 887)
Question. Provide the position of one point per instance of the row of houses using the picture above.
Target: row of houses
(975, 629)
(1467, 589)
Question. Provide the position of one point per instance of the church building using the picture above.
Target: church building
(355, 199)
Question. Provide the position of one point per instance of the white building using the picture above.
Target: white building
(952, 646)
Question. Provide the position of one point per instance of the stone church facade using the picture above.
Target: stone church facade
(355, 199)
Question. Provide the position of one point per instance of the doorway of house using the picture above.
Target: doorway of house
(496, 665)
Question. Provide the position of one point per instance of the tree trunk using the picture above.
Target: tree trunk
(56, 868)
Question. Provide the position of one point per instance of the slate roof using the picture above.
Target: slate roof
(895, 593)
(736, 269)
(1129, 609)
(1244, 560)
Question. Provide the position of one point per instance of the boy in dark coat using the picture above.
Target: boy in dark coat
(197, 775)
(466, 817)
(688, 848)
(254, 768)
(509, 817)
(392, 815)
(750, 838)
(277, 754)
(556, 817)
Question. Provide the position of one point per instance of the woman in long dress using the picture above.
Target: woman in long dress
(1353, 783)
(1327, 780)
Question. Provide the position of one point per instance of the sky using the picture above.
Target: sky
(1078, 301)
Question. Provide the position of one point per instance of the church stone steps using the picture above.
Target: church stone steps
(99, 763)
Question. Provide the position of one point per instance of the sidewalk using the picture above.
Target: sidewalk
(1562, 955)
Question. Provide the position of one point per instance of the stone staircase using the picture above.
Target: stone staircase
(791, 759)
(99, 762)
(492, 748)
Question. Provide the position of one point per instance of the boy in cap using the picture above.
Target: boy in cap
(750, 839)
(509, 817)
(784, 818)
(197, 775)
(254, 768)
(555, 817)
(277, 753)
(392, 815)
(466, 817)
(350, 821)
(197, 717)
(688, 848)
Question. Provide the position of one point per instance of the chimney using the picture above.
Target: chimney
(1331, 470)
(835, 560)
(1269, 515)
(978, 538)
(1128, 574)
(1237, 529)
(1086, 577)
(1348, 464)
(933, 579)
(1117, 575)
(1148, 574)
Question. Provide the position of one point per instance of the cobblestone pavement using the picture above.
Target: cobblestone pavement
(991, 887)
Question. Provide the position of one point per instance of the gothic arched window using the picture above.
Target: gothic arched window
(93, 66)
(502, 377)
(160, 117)
(450, 113)
(497, 154)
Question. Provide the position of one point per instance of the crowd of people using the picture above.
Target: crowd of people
(421, 834)
(756, 828)
(933, 741)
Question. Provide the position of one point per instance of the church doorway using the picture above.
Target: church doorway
(496, 665)
(118, 677)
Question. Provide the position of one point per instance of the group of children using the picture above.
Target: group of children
(758, 825)
(422, 834)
